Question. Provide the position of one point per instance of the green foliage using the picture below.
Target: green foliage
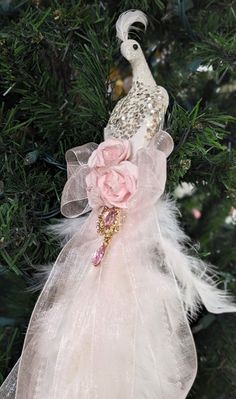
(218, 372)
(55, 68)
(199, 137)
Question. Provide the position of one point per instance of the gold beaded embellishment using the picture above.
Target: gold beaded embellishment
(109, 222)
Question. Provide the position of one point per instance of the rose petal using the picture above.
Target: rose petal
(110, 152)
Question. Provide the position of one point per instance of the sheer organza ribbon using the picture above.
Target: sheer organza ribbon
(74, 201)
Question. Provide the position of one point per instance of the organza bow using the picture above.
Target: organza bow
(151, 163)
(74, 201)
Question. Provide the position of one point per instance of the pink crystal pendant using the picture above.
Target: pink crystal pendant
(109, 217)
(98, 255)
(108, 223)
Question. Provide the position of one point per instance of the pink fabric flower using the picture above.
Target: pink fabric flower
(113, 186)
(110, 152)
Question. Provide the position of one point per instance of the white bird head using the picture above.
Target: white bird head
(130, 49)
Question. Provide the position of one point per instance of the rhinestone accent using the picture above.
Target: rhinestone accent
(109, 222)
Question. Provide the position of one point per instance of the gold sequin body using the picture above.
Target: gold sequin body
(142, 105)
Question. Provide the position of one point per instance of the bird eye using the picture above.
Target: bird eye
(135, 47)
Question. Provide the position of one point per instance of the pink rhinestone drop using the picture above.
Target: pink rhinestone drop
(98, 255)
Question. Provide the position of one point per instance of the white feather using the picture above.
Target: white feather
(125, 23)
(64, 229)
(197, 280)
(39, 277)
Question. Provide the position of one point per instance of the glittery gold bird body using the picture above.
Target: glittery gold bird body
(143, 109)
(138, 116)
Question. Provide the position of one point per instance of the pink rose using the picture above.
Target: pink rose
(113, 186)
(110, 152)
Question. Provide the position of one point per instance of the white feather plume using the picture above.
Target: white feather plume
(197, 280)
(63, 230)
(125, 23)
(39, 277)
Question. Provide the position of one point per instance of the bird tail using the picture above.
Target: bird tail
(198, 281)
(63, 230)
